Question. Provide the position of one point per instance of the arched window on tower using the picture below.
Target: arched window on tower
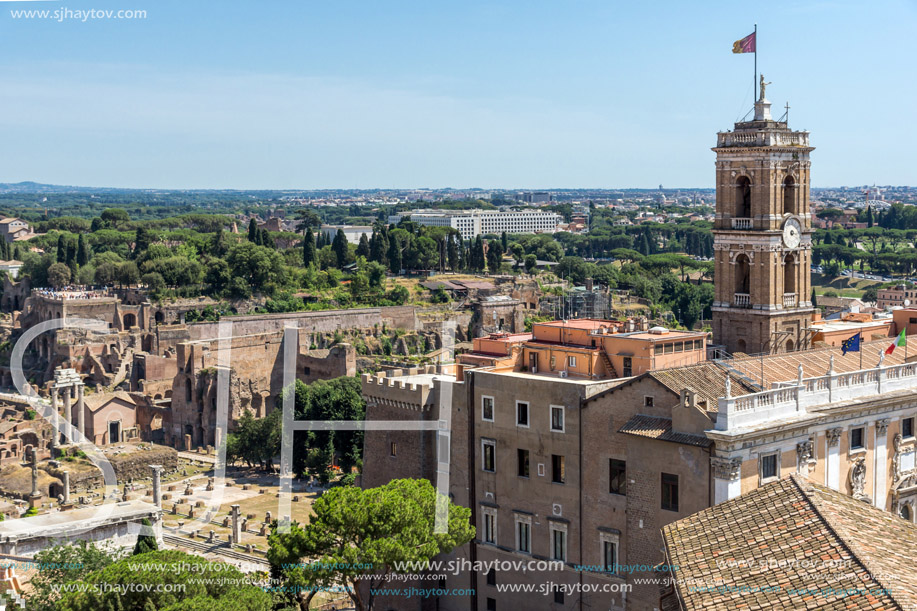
(789, 195)
(742, 268)
(789, 276)
(743, 197)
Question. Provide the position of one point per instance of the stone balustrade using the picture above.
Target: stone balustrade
(743, 300)
(741, 223)
(809, 393)
(762, 138)
(789, 300)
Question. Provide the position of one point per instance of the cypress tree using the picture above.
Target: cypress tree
(363, 247)
(145, 543)
(394, 256)
(61, 249)
(308, 248)
(339, 246)
(82, 251)
(253, 231)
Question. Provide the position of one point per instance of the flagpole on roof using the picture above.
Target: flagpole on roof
(755, 77)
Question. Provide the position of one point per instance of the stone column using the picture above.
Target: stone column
(68, 414)
(236, 525)
(726, 474)
(880, 455)
(55, 425)
(35, 491)
(80, 409)
(833, 463)
(157, 485)
(66, 487)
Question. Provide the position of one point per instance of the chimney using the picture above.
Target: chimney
(589, 284)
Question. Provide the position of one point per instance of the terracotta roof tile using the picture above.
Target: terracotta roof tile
(661, 429)
(793, 544)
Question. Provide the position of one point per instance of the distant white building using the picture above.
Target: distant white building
(351, 232)
(11, 267)
(472, 223)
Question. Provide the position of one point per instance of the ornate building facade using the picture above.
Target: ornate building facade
(762, 236)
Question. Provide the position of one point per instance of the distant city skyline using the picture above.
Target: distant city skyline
(408, 95)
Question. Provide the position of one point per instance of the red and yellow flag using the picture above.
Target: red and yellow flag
(746, 45)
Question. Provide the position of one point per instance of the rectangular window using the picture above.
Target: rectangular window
(610, 556)
(524, 536)
(557, 418)
(394, 449)
(669, 492)
(668, 349)
(523, 458)
(627, 369)
(617, 476)
(490, 525)
(522, 413)
(487, 409)
(768, 467)
(558, 595)
(856, 438)
(492, 577)
(558, 474)
(907, 427)
(571, 361)
(657, 349)
(489, 455)
(679, 347)
(558, 544)
(491, 604)
(647, 402)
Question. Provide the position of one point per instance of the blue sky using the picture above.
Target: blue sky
(359, 94)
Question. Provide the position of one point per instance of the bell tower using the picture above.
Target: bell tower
(762, 236)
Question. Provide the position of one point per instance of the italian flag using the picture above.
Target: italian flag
(900, 341)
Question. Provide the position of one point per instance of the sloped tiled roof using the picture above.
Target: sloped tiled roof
(784, 367)
(793, 544)
(96, 401)
(661, 429)
(706, 379)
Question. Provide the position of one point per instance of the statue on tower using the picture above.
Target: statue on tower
(763, 87)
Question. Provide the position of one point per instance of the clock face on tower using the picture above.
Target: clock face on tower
(792, 231)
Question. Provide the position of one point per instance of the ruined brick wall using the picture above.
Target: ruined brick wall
(327, 321)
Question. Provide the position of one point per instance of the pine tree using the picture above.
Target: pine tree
(141, 241)
(308, 248)
(82, 251)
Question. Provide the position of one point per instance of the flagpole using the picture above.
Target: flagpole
(755, 77)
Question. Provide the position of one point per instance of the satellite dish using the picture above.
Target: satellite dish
(907, 302)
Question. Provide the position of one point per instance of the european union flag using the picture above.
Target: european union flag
(851, 344)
